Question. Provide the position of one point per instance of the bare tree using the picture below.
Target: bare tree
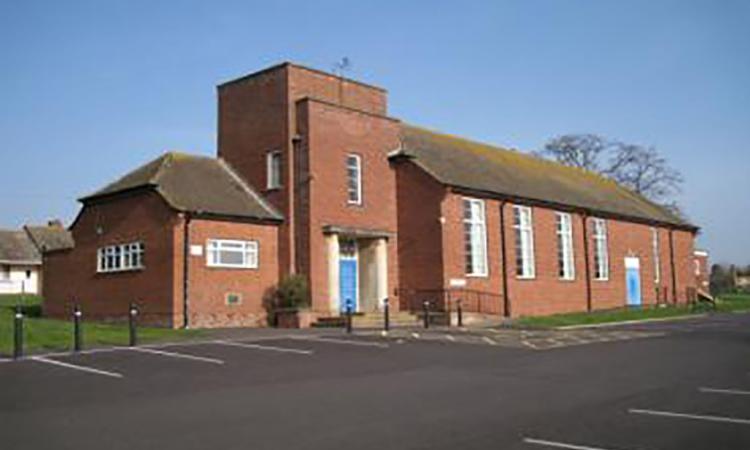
(578, 150)
(641, 169)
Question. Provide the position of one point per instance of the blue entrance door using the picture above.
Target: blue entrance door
(348, 283)
(633, 281)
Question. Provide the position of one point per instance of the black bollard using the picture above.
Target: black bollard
(460, 313)
(18, 333)
(348, 316)
(426, 312)
(386, 315)
(77, 335)
(132, 313)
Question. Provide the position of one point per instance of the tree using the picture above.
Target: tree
(721, 279)
(641, 169)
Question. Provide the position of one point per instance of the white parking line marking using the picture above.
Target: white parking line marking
(266, 347)
(488, 340)
(450, 338)
(723, 391)
(75, 367)
(559, 444)
(690, 416)
(177, 355)
(339, 341)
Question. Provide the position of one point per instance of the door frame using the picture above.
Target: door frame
(355, 258)
(633, 263)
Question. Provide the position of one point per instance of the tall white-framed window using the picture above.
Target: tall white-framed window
(354, 179)
(601, 255)
(273, 169)
(657, 258)
(475, 237)
(119, 258)
(524, 231)
(565, 258)
(232, 253)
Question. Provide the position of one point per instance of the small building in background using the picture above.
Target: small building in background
(21, 261)
(702, 269)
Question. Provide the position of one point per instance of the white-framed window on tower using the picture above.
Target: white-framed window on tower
(475, 237)
(524, 231)
(354, 179)
(601, 255)
(565, 258)
(273, 169)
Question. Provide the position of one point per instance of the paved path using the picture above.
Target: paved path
(675, 388)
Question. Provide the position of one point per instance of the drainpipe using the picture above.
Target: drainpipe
(584, 221)
(671, 265)
(506, 299)
(185, 271)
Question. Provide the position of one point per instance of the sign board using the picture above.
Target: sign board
(196, 250)
(457, 282)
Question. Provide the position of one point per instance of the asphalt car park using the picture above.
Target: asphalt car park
(676, 385)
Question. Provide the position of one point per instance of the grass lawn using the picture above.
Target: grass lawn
(725, 303)
(42, 334)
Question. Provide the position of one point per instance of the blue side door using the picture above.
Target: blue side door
(633, 281)
(348, 283)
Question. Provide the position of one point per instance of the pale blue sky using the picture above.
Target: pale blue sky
(89, 90)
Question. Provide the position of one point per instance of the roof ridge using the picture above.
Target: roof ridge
(166, 160)
(516, 152)
(226, 166)
(498, 166)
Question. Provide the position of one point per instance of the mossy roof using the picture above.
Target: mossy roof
(17, 248)
(471, 165)
(196, 184)
(50, 237)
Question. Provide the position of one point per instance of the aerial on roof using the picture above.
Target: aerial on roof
(196, 184)
(17, 248)
(472, 165)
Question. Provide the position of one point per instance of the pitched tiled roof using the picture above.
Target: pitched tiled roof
(17, 248)
(196, 184)
(50, 237)
(472, 165)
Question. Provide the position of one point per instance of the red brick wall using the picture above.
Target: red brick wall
(420, 235)
(257, 115)
(71, 276)
(332, 133)
(304, 82)
(684, 264)
(209, 286)
(158, 288)
(454, 261)
(546, 293)
(253, 119)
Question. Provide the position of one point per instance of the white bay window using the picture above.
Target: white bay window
(601, 255)
(119, 258)
(524, 231)
(565, 259)
(475, 237)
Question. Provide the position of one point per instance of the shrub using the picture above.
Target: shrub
(292, 292)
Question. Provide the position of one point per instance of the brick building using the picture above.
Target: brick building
(313, 177)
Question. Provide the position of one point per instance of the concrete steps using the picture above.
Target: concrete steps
(368, 320)
(375, 320)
